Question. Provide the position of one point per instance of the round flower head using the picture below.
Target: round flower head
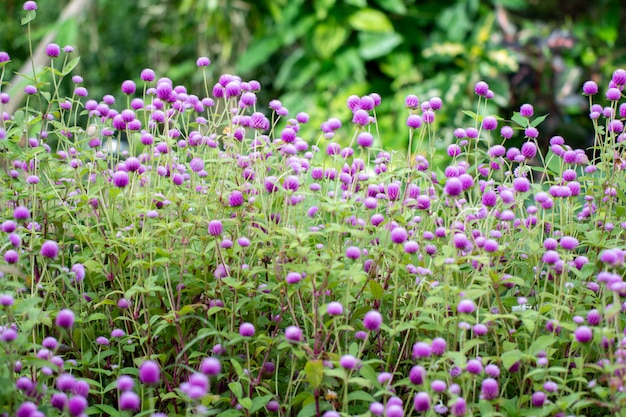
(129, 401)
(53, 50)
(421, 402)
(590, 88)
(334, 308)
(399, 235)
(65, 319)
(203, 61)
(293, 333)
(466, 306)
(149, 373)
(453, 187)
(210, 366)
(348, 362)
(583, 334)
(246, 330)
(30, 6)
(481, 88)
(372, 320)
(120, 179)
(353, 252)
(490, 123)
(128, 87)
(50, 249)
(538, 399)
(215, 228)
(489, 389)
(76, 405)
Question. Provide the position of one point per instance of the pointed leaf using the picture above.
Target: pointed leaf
(314, 371)
(370, 20)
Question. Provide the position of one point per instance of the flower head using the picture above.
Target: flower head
(149, 372)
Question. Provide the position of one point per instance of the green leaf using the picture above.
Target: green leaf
(375, 45)
(70, 66)
(260, 402)
(538, 120)
(376, 289)
(360, 396)
(30, 16)
(393, 6)
(519, 119)
(314, 371)
(235, 388)
(258, 53)
(370, 20)
(99, 408)
(510, 357)
(327, 38)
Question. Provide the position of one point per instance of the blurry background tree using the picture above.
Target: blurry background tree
(313, 54)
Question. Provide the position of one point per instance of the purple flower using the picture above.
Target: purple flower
(65, 318)
(399, 235)
(149, 373)
(490, 123)
(129, 401)
(30, 6)
(120, 179)
(466, 306)
(203, 61)
(412, 101)
(353, 252)
(414, 121)
(583, 334)
(481, 88)
(417, 375)
(489, 389)
(125, 383)
(521, 184)
(619, 77)
(459, 408)
(235, 199)
(421, 350)
(30, 89)
(76, 405)
(421, 402)
(348, 362)
(53, 50)
(334, 308)
(453, 187)
(147, 75)
(246, 330)
(590, 88)
(438, 346)
(215, 228)
(613, 94)
(293, 333)
(372, 320)
(538, 399)
(11, 256)
(474, 367)
(365, 139)
(210, 366)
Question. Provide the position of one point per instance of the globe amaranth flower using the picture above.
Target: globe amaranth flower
(490, 123)
(203, 61)
(50, 249)
(348, 362)
(65, 319)
(421, 402)
(129, 401)
(353, 252)
(583, 334)
(481, 88)
(372, 320)
(590, 88)
(293, 334)
(489, 389)
(466, 306)
(210, 366)
(247, 330)
(149, 372)
(334, 308)
(53, 50)
(30, 6)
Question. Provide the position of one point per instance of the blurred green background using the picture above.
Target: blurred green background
(313, 54)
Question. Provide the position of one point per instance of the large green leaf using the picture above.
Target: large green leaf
(375, 45)
(370, 20)
(327, 38)
(258, 53)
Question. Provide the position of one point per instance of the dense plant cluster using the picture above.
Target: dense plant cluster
(181, 254)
